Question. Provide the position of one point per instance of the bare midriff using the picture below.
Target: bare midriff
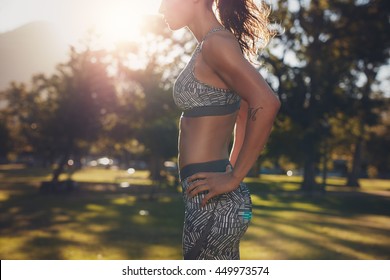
(203, 139)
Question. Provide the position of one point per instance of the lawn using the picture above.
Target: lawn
(102, 220)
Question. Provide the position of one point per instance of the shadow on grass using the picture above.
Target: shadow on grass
(271, 186)
(335, 225)
(90, 225)
(104, 221)
(285, 239)
(22, 172)
(335, 203)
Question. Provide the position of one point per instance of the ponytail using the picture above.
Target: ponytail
(247, 21)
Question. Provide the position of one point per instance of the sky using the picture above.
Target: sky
(74, 17)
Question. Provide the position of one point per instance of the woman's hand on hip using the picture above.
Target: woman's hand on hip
(214, 182)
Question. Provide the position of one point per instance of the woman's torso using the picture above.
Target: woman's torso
(208, 118)
(204, 139)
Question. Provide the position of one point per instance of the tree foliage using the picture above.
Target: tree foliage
(324, 67)
(115, 102)
(316, 63)
(59, 114)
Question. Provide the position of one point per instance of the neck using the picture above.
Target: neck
(203, 24)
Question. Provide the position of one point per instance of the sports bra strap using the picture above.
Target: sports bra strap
(211, 31)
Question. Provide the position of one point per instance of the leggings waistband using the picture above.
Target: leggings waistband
(209, 166)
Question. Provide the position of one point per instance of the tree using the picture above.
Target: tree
(18, 102)
(378, 157)
(60, 114)
(146, 92)
(4, 140)
(367, 54)
(86, 100)
(116, 101)
(300, 70)
(313, 61)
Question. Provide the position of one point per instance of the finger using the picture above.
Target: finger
(229, 168)
(197, 176)
(198, 190)
(207, 198)
(195, 185)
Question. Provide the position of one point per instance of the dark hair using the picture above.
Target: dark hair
(248, 21)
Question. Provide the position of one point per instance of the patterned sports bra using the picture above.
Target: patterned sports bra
(198, 99)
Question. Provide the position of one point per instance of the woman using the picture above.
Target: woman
(219, 92)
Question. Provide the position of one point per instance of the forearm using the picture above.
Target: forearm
(239, 132)
(258, 127)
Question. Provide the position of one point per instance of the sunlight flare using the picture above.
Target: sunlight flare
(121, 21)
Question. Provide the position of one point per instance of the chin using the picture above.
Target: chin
(172, 26)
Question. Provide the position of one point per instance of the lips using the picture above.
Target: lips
(166, 21)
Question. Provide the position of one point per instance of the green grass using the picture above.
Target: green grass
(103, 221)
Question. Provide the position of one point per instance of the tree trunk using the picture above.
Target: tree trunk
(353, 176)
(60, 168)
(309, 175)
(155, 167)
(325, 158)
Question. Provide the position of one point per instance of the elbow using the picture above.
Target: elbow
(268, 100)
(274, 102)
(277, 103)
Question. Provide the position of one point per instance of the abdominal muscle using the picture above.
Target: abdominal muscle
(203, 139)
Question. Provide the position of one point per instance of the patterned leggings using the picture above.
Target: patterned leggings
(231, 216)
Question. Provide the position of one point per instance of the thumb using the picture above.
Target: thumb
(229, 168)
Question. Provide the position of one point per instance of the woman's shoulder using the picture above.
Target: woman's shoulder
(220, 40)
(221, 47)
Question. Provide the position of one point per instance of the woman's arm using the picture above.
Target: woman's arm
(223, 54)
(239, 131)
